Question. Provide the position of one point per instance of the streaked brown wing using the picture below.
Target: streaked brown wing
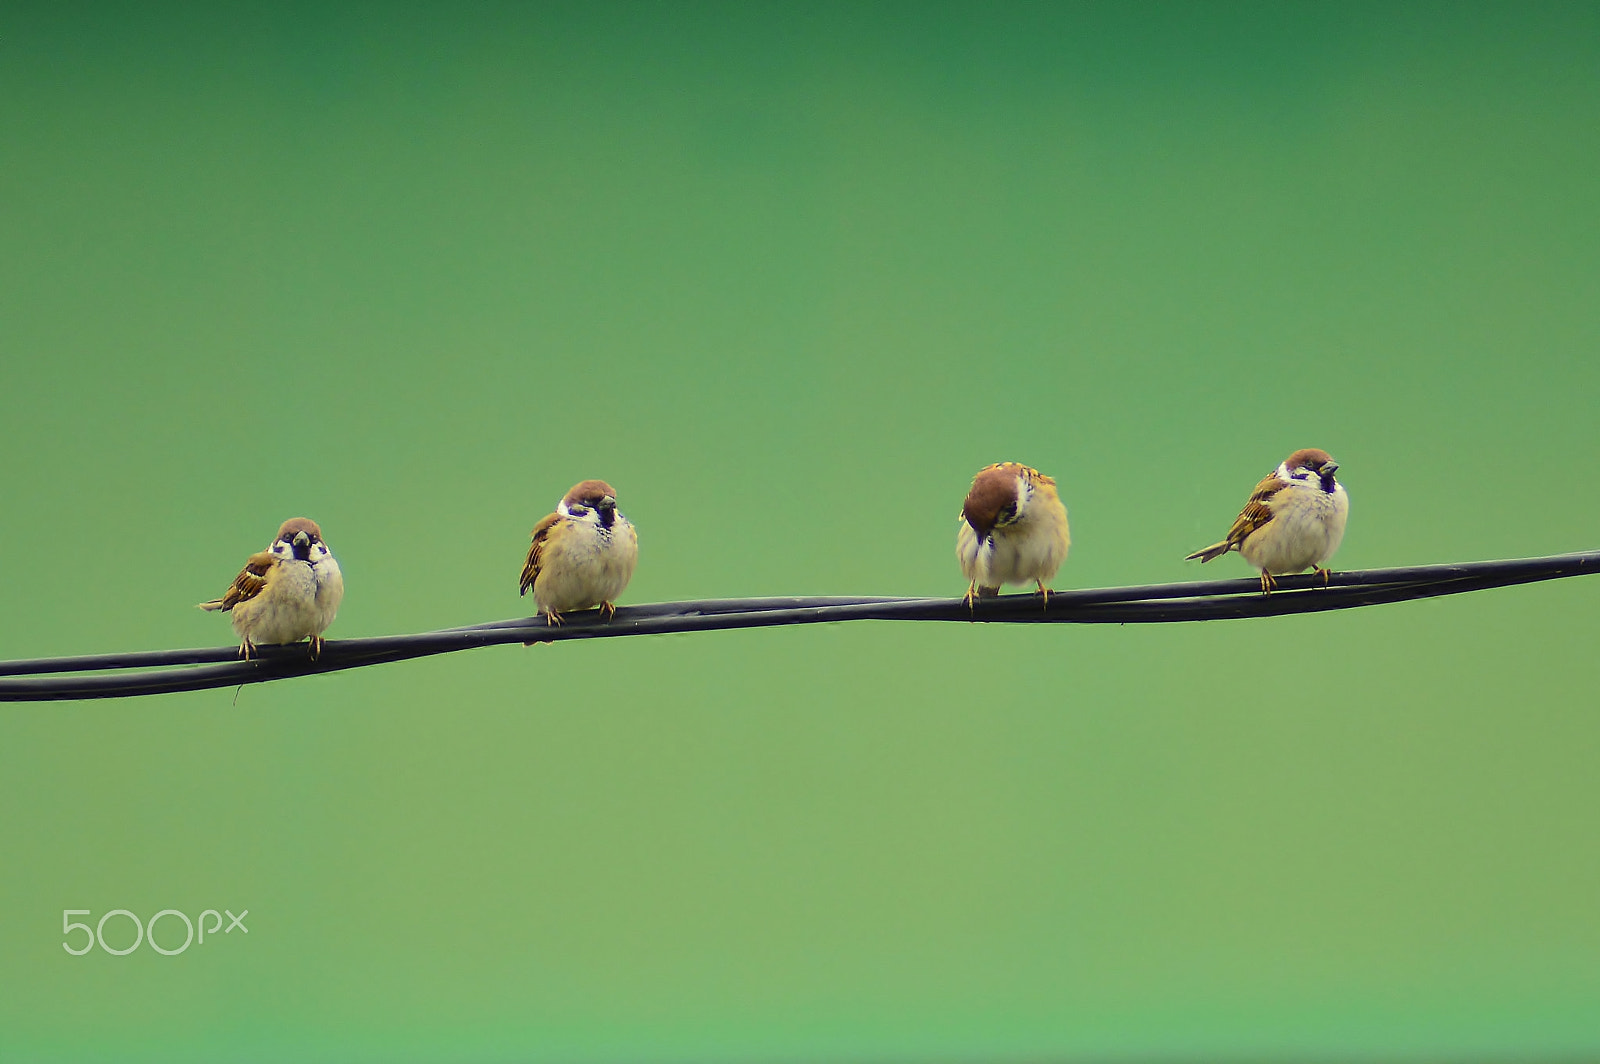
(530, 569)
(1040, 477)
(1256, 512)
(247, 585)
(1015, 468)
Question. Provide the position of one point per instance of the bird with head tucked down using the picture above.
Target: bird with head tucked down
(1013, 530)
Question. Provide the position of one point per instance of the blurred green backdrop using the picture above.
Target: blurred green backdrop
(787, 276)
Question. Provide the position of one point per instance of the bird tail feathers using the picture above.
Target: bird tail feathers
(1216, 550)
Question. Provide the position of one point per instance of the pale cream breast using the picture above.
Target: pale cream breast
(1306, 529)
(286, 610)
(581, 566)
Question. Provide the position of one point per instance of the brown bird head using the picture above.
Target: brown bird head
(993, 501)
(594, 495)
(1312, 462)
(298, 536)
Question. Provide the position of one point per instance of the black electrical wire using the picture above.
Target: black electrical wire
(52, 679)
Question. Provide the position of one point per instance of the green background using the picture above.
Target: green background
(787, 276)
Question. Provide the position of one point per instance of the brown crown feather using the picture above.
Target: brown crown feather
(295, 525)
(1307, 458)
(993, 490)
(586, 493)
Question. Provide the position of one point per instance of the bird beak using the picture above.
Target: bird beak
(607, 502)
(1328, 468)
(302, 540)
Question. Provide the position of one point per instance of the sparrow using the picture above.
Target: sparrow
(1013, 530)
(1292, 522)
(582, 555)
(286, 593)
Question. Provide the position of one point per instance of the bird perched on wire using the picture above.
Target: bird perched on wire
(1013, 530)
(286, 593)
(582, 556)
(1292, 522)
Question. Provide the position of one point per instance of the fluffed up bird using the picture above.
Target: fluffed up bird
(1013, 530)
(286, 593)
(1292, 522)
(582, 556)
